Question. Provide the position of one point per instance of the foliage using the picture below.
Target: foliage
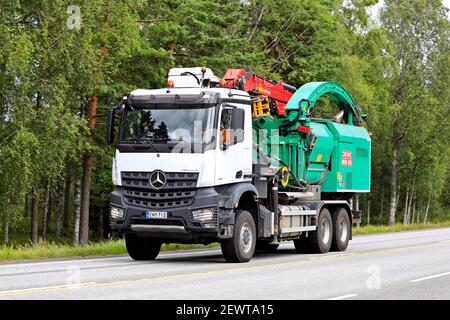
(397, 72)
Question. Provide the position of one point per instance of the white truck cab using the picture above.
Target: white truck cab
(178, 149)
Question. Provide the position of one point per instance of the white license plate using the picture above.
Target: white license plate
(155, 214)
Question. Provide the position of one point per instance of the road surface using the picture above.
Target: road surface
(407, 265)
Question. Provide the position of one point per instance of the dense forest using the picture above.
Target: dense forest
(64, 63)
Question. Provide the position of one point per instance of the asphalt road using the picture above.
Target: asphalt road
(407, 265)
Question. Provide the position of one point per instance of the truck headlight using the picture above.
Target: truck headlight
(116, 213)
(204, 215)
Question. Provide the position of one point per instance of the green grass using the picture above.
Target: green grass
(49, 250)
(370, 229)
(53, 250)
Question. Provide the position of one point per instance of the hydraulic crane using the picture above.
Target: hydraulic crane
(268, 97)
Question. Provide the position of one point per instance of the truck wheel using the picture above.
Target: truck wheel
(341, 230)
(266, 246)
(142, 248)
(241, 247)
(319, 241)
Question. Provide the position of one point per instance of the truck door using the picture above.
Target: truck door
(234, 153)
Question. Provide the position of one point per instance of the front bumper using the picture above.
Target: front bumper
(180, 222)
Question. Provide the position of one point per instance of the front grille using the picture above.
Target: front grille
(179, 190)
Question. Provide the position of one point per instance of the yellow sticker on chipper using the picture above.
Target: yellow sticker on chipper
(319, 157)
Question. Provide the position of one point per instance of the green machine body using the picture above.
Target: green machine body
(334, 154)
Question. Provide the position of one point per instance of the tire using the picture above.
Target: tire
(341, 230)
(319, 241)
(241, 247)
(142, 248)
(266, 246)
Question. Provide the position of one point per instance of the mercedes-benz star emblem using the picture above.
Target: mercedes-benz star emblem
(157, 179)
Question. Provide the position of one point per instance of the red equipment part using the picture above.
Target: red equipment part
(248, 81)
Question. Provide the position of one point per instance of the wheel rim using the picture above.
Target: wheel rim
(343, 230)
(246, 238)
(325, 230)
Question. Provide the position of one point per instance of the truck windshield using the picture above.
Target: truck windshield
(169, 125)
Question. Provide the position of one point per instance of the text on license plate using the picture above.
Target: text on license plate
(156, 214)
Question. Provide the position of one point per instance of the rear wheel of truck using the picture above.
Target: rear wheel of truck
(319, 241)
(341, 230)
(241, 247)
(142, 248)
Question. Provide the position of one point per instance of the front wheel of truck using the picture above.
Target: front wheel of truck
(142, 248)
(241, 247)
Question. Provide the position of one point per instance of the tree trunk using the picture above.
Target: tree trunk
(394, 166)
(412, 195)
(45, 213)
(34, 217)
(382, 201)
(425, 219)
(6, 229)
(51, 202)
(100, 228)
(357, 208)
(67, 190)
(26, 206)
(85, 194)
(419, 208)
(397, 198)
(368, 211)
(76, 212)
(86, 181)
(405, 214)
(59, 213)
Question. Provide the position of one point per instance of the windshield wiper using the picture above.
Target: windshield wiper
(140, 141)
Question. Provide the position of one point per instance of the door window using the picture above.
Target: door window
(231, 126)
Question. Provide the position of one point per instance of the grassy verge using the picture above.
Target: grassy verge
(369, 229)
(53, 250)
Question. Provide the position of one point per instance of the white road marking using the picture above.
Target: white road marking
(430, 277)
(347, 296)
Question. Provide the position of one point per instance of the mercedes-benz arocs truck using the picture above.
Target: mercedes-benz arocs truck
(236, 160)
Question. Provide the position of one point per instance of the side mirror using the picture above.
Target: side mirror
(110, 126)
